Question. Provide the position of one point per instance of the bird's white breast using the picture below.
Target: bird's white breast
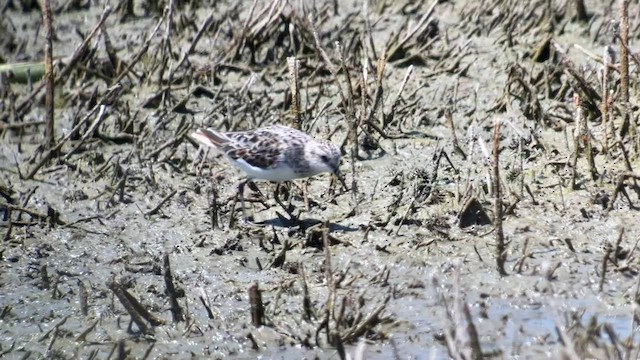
(278, 174)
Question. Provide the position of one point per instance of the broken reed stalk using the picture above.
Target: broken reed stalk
(55, 327)
(624, 54)
(89, 133)
(204, 299)
(296, 119)
(581, 10)
(307, 311)
(617, 251)
(501, 254)
(50, 217)
(82, 337)
(629, 342)
(328, 270)
(607, 252)
(156, 209)
(204, 27)
(629, 120)
(49, 132)
(604, 104)
(84, 296)
(257, 307)
(44, 277)
(119, 291)
(581, 141)
(122, 350)
(456, 145)
(165, 45)
(472, 332)
(379, 92)
(242, 38)
(213, 205)
(176, 310)
(131, 304)
(350, 104)
(396, 100)
(620, 188)
(367, 22)
(397, 48)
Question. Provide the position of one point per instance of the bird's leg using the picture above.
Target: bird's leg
(241, 195)
(333, 184)
(288, 209)
(305, 195)
(276, 196)
(261, 198)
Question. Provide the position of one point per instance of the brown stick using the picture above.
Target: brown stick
(157, 208)
(472, 332)
(624, 67)
(578, 133)
(581, 10)
(294, 64)
(43, 217)
(49, 133)
(205, 25)
(410, 33)
(377, 97)
(257, 308)
(44, 277)
(367, 323)
(350, 104)
(83, 335)
(605, 260)
(118, 290)
(84, 295)
(604, 104)
(328, 269)
(501, 254)
(624, 54)
(138, 312)
(618, 249)
(307, 311)
(620, 187)
(176, 310)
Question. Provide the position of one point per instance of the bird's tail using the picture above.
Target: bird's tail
(210, 137)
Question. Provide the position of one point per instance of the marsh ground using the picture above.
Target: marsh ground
(126, 188)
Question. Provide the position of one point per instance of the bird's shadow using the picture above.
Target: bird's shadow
(303, 224)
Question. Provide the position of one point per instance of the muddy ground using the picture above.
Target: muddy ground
(125, 242)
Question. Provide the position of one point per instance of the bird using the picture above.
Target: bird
(274, 153)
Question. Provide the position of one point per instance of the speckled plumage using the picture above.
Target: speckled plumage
(275, 153)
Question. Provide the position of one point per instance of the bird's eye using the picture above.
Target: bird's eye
(324, 158)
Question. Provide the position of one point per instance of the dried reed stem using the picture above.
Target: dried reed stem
(581, 10)
(604, 104)
(624, 66)
(328, 269)
(296, 119)
(176, 310)
(501, 254)
(49, 79)
(257, 307)
(624, 52)
(605, 261)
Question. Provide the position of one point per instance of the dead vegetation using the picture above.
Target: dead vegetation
(372, 77)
